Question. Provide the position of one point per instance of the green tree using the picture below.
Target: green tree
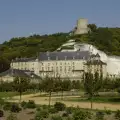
(92, 84)
(49, 86)
(20, 84)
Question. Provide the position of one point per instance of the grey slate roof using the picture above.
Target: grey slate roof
(14, 72)
(24, 59)
(20, 73)
(64, 55)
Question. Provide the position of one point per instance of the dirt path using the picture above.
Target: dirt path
(44, 100)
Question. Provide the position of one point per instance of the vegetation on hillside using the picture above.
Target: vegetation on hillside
(105, 39)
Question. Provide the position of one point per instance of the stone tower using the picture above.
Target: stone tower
(82, 26)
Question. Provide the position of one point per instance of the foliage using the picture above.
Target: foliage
(52, 110)
(65, 114)
(7, 106)
(99, 115)
(20, 84)
(41, 114)
(59, 106)
(44, 106)
(80, 115)
(23, 104)
(30, 104)
(108, 112)
(56, 117)
(12, 117)
(2, 102)
(1, 113)
(69, 110)
(15, 108)
(117, 114)
(38, 109)
(92, 84)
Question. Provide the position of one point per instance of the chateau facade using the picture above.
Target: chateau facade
(66, 65)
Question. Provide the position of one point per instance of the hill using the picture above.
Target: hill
(105, 39)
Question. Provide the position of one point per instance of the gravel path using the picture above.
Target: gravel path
(44, 100)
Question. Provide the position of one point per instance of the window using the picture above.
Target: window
(48, 68)
(48, 58)
(60, 68)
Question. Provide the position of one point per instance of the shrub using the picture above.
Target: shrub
(108, 112)
(15, 108)
(12, 117)
(41, 114)
(117, 114)
(69, 110)
(65, 114)
(99, 115)
(38, 109)
(7, 106)
(52, 110)
(80, 115)
(45, 106)
(23, 104)
(56, 117)
(1, 113)
(31, 104)
(59, 106)
(2, 102)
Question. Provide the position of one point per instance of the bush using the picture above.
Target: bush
(41, 114)
(99, 115)
(65, 114)
(2, 102)
(7, 106)
(15, 108)
(38, 109)
(45, 106)
(52, 110)
(69, 110)
(1, 113)
(12, 117)
(31, 104)
(59, 106)
(117, 114)
(108, 112)
(23, 104)
(56, 117)
(79, 115)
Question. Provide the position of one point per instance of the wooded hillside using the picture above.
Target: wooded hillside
(105, 39)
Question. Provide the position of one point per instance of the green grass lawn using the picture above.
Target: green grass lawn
(95, 99)
(11, 94)
(7, 94)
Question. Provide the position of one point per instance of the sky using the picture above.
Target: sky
(26, 17)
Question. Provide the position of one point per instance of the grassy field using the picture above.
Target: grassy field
(11, 94)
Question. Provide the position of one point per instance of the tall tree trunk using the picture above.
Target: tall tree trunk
(49, 98)
(62, 95)
(20, 96)
(91, 102)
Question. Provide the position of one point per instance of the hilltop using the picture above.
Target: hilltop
(105, 39)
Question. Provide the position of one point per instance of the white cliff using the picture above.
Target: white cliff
(113, 62)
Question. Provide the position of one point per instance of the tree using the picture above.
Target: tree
(92, 84)
(20, 84)
(92, 27)
(48, 84)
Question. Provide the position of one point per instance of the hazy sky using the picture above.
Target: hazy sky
(23, 17)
